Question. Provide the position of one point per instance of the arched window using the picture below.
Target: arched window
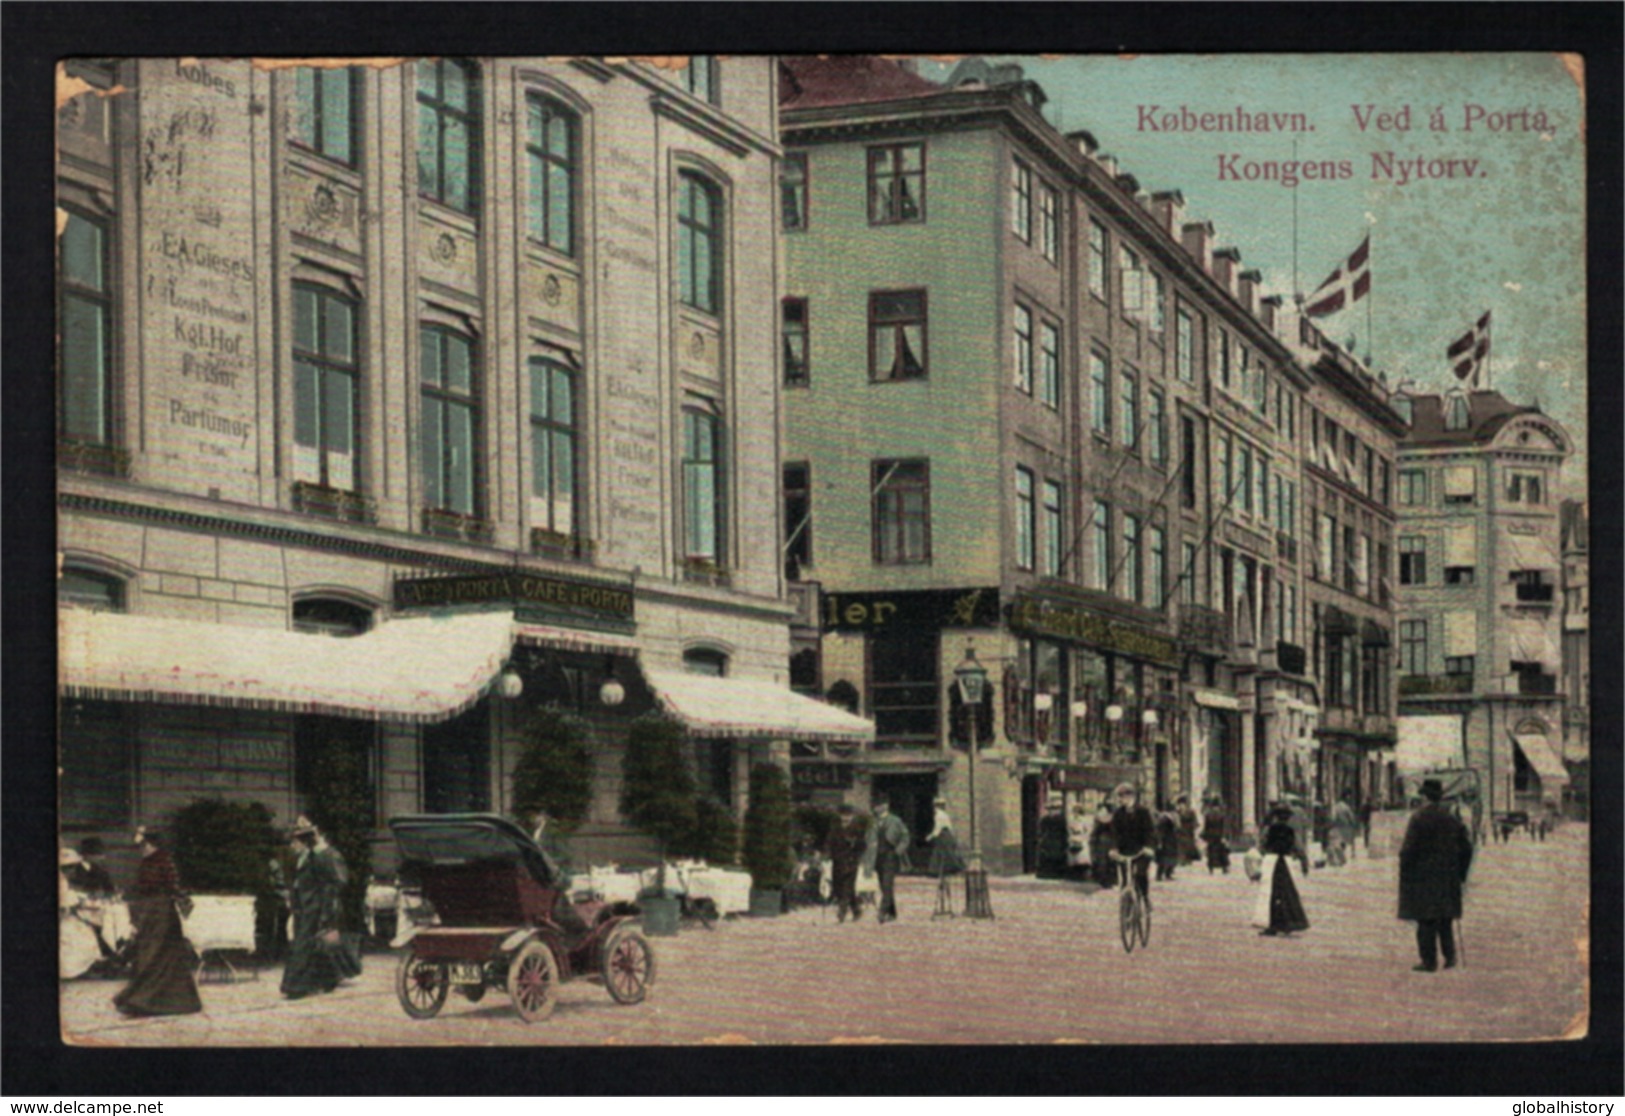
(551, 152)
(699, 242)
(449, 133)
(1456, 413)
(706, 660)
(332, 616)
(80, 587)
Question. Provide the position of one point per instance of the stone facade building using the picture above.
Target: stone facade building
(1480, 559)
(472, 361)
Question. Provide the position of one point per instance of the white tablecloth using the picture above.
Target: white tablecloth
(728, 888)
(221, 922)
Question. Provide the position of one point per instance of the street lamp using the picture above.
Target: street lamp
(971, 677)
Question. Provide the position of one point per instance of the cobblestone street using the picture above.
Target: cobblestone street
(1049, 969)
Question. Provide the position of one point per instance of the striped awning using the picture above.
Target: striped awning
(420, 669)
(748, 707)
(1542, 757)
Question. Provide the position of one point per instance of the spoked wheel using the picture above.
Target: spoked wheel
(421, 986)
(1143, 922)
(629, 966)
(1125, 919)
(533, 982)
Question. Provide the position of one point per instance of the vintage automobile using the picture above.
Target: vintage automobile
(502, 919)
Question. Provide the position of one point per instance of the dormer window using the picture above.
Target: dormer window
(1455, 415)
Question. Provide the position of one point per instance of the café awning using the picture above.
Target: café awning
(747, 707)
(420, 669)
(1214, 699)
(1541, 756)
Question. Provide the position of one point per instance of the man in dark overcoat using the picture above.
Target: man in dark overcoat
(1433, 865)
(846, 845)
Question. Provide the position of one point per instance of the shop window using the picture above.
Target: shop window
(551, 150)
(326, 378)
(325, 119)
(897, 335)
(699, 243)
(448, 100)
(904, 693)
(897, 184)
(902, 511)
(457, 763)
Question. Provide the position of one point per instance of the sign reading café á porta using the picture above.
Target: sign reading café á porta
(517, 590)
(1040, 617)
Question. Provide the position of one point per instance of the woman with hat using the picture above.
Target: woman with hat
(1213, 827)
(945, 858)
(314, 899)
(161, 981)
(1278, 910)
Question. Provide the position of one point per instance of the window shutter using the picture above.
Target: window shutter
(1460, 634)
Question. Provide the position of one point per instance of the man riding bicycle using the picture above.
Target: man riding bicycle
(1134, 837)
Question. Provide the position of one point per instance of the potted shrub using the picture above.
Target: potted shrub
(715, 837)
(767, 838)
(554, 772)
(657, 796)
(340, 802)
(225, 848)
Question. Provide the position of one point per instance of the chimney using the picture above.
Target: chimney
(1084, 141)
(1226, 262)
(1169, 206)
(1269, 306)
(1128, 183)
(1108, 163)
(1198, 238)
(908, 65)
(1247, 288)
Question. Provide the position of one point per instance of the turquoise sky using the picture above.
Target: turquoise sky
(1510, 238)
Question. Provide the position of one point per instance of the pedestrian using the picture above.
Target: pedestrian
(1278, 910)
(1167, 845)
(347, 954)
(1213, 833)
(1188, 823)
(161, 981)
(887, 854)
(92, 878)
(1133, 833)
(846, 844)
(1077, 840)
(945, 858)
(1342, 831)
(1433, 863)
(1100, 844)
(311, 963)
(1298, 819)
(1052, 839)
(1366, 810)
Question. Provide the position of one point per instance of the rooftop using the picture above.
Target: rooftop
(824, 80)
(1487, 412)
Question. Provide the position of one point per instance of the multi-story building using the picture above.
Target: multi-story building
(1576, 649)
(474, 362)
(1480, 625)
(1032, 410)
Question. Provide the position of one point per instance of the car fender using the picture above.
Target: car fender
(516, 939)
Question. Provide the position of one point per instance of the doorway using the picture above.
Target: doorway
(912, 799)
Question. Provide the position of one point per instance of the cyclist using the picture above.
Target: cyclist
(1134, 837)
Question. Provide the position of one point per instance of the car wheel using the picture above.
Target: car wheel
(629, 966)
(533, 982)
(421, 986)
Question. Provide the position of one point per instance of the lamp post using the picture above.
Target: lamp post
(971, 677)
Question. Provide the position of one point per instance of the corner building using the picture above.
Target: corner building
(398, 402)
(1032, 410)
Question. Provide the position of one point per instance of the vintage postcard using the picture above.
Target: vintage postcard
(577, 550)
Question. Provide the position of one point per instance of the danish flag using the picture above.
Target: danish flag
(1468, 352)
(1348, 284)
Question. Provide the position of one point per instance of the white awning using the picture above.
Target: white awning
(1460, 480)
(1542, 757)
(421, 669)
(575, 639)
(1214, 699)
(1460, 634)
(1461, 544)
(747, 707)
(1532, 644)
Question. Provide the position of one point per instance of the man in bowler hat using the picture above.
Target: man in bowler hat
(1433, 864)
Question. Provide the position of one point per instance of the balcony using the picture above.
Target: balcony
(705, 571)
(334, 503)
(555, 544)
(1424, 685)
(93, 457)
(1537, 685)
(454, 525)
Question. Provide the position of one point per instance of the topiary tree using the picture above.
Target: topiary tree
(223, 846)
(813, 824)
(767, 827)
(340, 802)
(715, 836)
(657, 784)
(554, 772)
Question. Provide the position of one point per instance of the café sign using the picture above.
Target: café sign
(522, 592)
(1052, 618)
(814, 776)
(923, 609)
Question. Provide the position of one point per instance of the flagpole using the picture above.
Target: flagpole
(1297, 291)
(1370, 297)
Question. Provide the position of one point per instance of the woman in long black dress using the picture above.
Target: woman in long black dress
(1278, 909)
(1213, 825)
(161, 981)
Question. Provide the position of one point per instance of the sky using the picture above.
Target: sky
(1499, 229)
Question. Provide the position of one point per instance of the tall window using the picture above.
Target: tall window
(796, 342)
(1021, 201)
(1224, 359)
(1026, 518)
(704, 508)
(700, 78)
(699, 243)
(1184, 339)
(1263, 488)
(1129, 395)
(1244, 477)
(554, 444)
(1158, 561)
(551, 149)
(793, 191)
(902, 511)
(1187, 573)
(1100, 394)
(896, 184)
(1362, 565)
(797, 518)
(1413, 487)
(1326, 543)
(85, 321)
(1053, 539)
(1413, 560)
(1133, 281)
(326, 372)
(1455, 417)
(1348, 558)
(897, 335)
(904, 693)
(1024, 348)
(1097, 259)
(1049, 365)
(1133, 569)
(1159, 304)
(1049, 223)
(324, 112)
(451, 420)
(1413, 646)
(449, 133)
(1187, 461)
(1226, 470)
(1103, 545)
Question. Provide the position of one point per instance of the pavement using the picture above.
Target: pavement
(1049, 968)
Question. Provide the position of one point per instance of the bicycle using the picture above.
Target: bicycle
(1133, 909)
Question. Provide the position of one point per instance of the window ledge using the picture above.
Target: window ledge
(93, 457)
(336, 503)
(454, 525)
(704, 571)
(555, 544)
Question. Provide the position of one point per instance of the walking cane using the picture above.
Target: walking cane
(1461, 947)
